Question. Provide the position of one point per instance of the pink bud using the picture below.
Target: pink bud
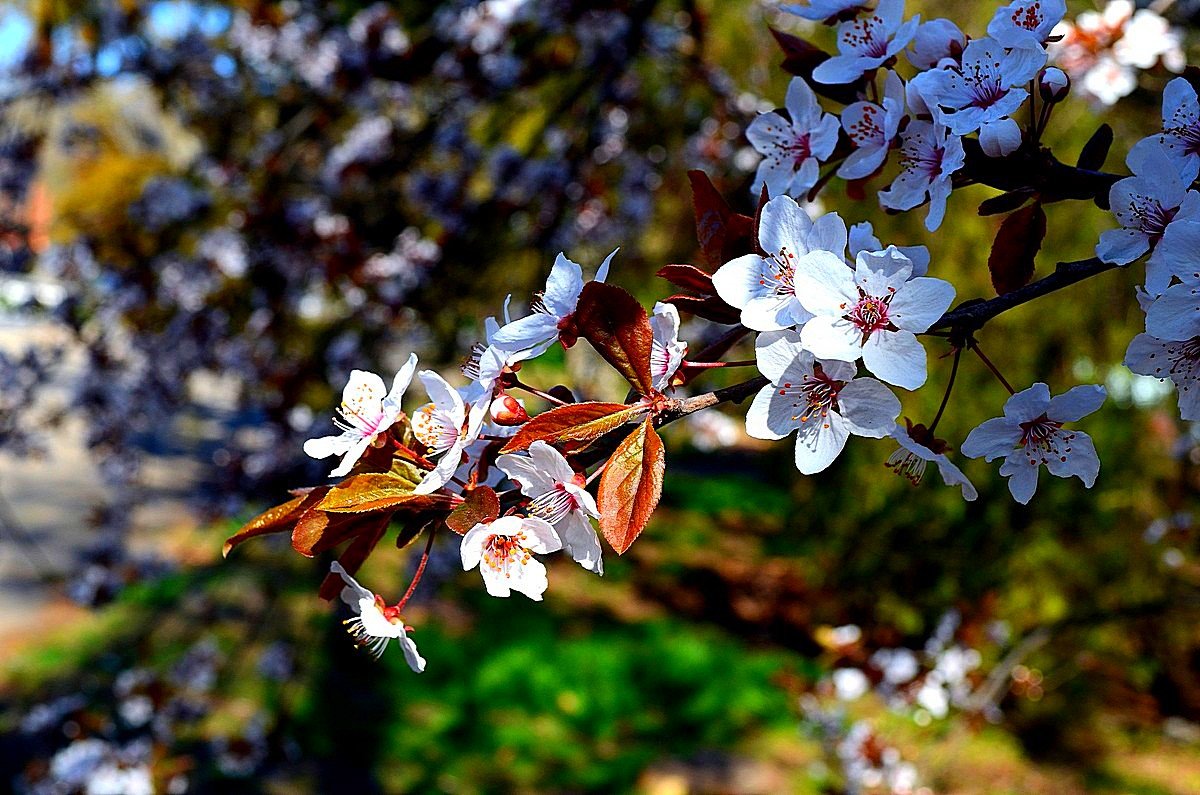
(507, 411)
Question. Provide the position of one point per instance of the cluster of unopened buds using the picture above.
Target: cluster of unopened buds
(837, 316)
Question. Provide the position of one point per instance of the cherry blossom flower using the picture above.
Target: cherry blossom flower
(1144, 204)
(1053, 84)
(551, 312)
(929, 156)
(666, 352)
(1178, 360)
(936, 41)
(1000, 138)
(867, 42)
(446, 426)
(366, 412)
(1031, 434)
(873, 312)
(1180, 137)
(1177, 254)
(1175, 315)
(821, 400)
(1026, 23)
(560, 498)
(763, 286)
(792, 148)
(504, 549)
(862, 238)
(826, 10)
(872, 128)
(919, 447)
(1103, 50)
(987, 88)
(376, 624)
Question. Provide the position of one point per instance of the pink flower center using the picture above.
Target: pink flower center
(499, 552)
(1043, 439)
(815, 396)
(800, 150)
(1029, 17)
(554, 505)
(1149, 215)
(870, 314)
(1182, 363)
(925, 161)
(780, 275)
(983, 83)
(868, 127)
(866, 36)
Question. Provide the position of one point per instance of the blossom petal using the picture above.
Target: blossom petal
(540, 536)
(1028, 404)
(411, 656)
(832, 338)
(325, 446)
(740, 280)
(896, 357)
(1022, 478)
(470, 550)
(580, 541)
(819, 443)
(920, 302)
(869, 408)
(563, 286)
(1082, 462)
(1076, 403)
(991, 439)
(353, 592)
(777, 351)
(1122, 246)
(771, 416)
(529, 579)
(400, 383)
(526, 332)
(770, 313)
(1175, 315)
(783, 225)
(824, 285)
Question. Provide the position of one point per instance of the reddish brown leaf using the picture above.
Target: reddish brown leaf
(631, 486)
(710, 308)
(353, 557)
(1015, 248)
(578, 422)
(689, 277)
(480, 505)
(722, 233)
(618, 327)
(1005, 202)
(274, 520)
(370, 492)
(801, 58)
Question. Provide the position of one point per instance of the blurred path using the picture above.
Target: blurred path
(49, 500)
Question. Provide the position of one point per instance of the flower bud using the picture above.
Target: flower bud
(1053, 84)
(506, 410)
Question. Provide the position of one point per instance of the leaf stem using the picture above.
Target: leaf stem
(988, 363)
(946, 397)
(420, 570)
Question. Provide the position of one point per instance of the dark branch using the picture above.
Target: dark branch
(972, 315)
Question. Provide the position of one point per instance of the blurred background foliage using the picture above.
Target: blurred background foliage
(251, 198)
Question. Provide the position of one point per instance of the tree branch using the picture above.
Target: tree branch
(972, 315)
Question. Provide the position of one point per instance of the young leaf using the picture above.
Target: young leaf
(1005, 202)
(372, 491)
(274, 520)
(689, 277)
(631, 486)
(800, 58)
(618, 327)
(1095, 151)
(480, 505)
(710, 308)
(353, 557)
(1015, 248)
(723, 234)
(578, 422)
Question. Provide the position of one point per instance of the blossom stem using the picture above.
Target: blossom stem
(599, 471)
(946, 397)
(420, 570)
(988, 363)
(546, 396)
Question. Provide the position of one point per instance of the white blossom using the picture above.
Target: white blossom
(560, 498)
(375, 623)
(540, 329)
(867, 42)
(666, 351)
(820, 400)
(763, 287)
(862, 238)
(929, 156)
(874, 312)
(1026, 23)
(987, 88)
(504, 549)
(792, 148)
(366, 412)
(1156, 195)
(446, 426)
(872, 128)
(934, 42)
(1031, 434)
(917, 448)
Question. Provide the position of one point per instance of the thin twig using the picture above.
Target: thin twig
(420, 570)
